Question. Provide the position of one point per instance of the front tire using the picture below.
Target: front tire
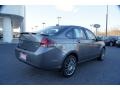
(69, 66)
(102, 55)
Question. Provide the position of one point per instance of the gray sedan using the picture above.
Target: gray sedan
(59, 47)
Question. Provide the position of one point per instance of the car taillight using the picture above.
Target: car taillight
(46, 42)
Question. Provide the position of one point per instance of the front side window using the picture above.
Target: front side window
(79, 33)
(90, 35)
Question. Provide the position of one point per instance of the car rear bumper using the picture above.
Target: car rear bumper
(43, 61)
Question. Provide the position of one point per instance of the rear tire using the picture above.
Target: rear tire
(69, 66)
(102, 55)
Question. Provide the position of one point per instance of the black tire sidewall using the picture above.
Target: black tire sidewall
(100, 57)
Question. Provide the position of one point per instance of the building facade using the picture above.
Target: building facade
(11, 17)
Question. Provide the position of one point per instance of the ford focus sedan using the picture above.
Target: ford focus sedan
(59, 47)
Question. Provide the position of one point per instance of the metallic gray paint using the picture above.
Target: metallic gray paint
(53, 57)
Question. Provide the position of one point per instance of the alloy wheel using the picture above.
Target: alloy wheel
(69, 66)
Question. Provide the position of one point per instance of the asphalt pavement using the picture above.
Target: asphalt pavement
(14, 72)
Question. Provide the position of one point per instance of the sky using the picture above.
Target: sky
(71, 15)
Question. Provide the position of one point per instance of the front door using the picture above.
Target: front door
(92, 44)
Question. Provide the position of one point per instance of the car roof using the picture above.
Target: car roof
(67, 26)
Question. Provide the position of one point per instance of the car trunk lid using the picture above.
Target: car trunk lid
(29, 41)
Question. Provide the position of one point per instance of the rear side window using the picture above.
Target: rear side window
(70, 34)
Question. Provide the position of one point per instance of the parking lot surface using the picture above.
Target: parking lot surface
(94, 72)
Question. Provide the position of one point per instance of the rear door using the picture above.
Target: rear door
(80, 42)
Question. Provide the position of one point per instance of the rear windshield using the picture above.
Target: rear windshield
(54, 30)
